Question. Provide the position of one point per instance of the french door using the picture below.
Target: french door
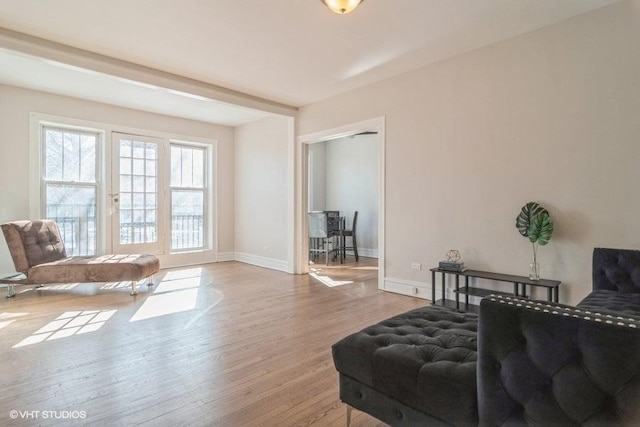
(136, 197)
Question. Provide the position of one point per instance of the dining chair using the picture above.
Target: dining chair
(333, 222)
(351, 233)
(321, 240)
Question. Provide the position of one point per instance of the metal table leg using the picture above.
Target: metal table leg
(466, 295)
(457, 292)
(433, 287)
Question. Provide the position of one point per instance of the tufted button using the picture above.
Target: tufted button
(399, 414)
(497, 366)
(358, 394)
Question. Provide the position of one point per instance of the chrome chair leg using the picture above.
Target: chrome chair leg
(11, 291)
(349, 409)
(134, 288)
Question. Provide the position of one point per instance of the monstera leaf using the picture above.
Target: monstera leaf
(528, 212)
(540, 229)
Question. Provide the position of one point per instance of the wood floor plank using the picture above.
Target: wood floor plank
(225, 344)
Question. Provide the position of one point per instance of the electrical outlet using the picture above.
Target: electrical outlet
(416, 266)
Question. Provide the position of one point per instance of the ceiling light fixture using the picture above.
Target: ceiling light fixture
(342, 6)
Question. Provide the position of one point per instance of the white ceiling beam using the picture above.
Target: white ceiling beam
(46, 49)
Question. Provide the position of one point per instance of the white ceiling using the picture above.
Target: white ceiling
(294, 52)
(50, 76)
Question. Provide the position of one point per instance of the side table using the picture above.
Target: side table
(520, 284)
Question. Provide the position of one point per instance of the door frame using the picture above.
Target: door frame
(376, 125)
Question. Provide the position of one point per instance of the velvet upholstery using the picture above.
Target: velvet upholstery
(546, 364)
(616, 281)
(425, 358)
(616, 270)
(38, 252)
(612, 300)
(382, 406)
(538, 364)
(105, 268)
(33, 242)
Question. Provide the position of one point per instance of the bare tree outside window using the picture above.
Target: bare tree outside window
(188, 179)
(70, 186)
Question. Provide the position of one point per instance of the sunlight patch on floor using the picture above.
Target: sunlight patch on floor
(183, 274)
(166, 303)
(177, 292)
(8, 318)
(177, 285)
(59, 287)
(116, 285)
(328, 281)
(68, 324)
(216, 297)
(5, 323)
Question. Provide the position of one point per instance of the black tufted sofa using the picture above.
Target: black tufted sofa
(519, 362)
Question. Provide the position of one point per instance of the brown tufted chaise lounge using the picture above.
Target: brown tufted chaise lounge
(39, 254)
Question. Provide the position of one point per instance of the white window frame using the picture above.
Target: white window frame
(103, 239)
(205, 192)
(44, 183)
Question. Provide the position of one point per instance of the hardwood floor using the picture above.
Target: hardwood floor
(224, 344)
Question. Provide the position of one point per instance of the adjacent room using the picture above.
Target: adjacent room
(342, 184)
(334, 212)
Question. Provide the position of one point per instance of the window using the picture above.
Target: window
(188, 177)
(120, 191)
(69, 186)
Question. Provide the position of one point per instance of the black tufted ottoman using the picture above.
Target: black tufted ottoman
(413, 369)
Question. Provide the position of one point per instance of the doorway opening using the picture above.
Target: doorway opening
(343, 173)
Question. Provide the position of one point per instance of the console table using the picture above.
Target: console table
(520, 284)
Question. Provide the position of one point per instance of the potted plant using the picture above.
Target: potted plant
(535, 223)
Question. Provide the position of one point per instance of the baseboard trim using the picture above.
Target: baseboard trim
(260, 261)
(368, 252)
(407, 287)
(226, 256)
(423, 290)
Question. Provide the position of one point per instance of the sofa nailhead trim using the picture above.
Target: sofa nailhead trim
(567, 311)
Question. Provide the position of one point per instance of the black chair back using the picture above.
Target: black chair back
(355, 222)
(616, 270)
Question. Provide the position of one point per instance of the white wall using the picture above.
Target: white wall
(16, 104)
(318, 176)
(551, 116)
(344, 177)
(352, 185)
(262, 193)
